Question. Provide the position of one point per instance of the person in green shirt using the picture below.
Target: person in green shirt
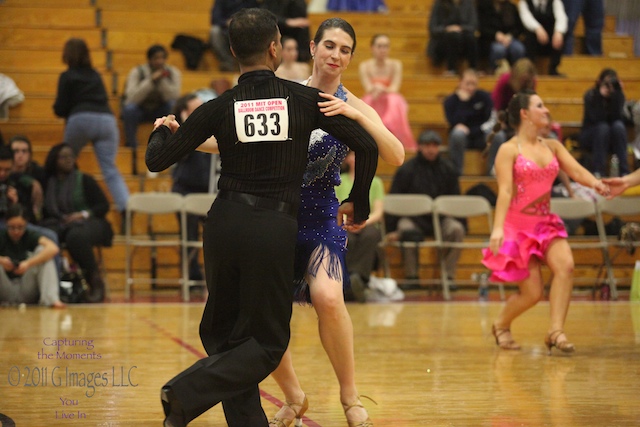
(362, 245)
(28, 274)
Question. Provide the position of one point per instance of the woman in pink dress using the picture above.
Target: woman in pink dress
(525, 233)
(381, 78)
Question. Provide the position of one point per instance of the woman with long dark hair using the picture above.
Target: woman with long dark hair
(75, 207)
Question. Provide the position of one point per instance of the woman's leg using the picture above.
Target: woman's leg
(559, 258)
(288, 382)
(531, 291)
(105, 147)
(336, 335)
(619, 145)
(497, 51)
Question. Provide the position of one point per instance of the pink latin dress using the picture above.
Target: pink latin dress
(394, 112)
(529, 226)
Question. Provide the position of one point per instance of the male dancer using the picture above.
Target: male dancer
(262, 127)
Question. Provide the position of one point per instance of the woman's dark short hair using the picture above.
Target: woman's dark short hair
(15, 210)
(340, 23)
(76, 54)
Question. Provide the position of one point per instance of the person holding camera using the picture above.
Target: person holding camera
(603, 128)
(150, 91)
(28, 273)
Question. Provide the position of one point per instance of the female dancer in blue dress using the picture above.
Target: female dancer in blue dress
(320, 264)
(320, 257)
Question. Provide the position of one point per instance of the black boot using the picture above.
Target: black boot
(96, 288)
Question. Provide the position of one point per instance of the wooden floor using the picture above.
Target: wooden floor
(424, 363)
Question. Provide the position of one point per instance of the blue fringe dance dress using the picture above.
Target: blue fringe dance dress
(319, 235)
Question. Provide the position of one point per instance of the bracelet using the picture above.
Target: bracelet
(85, 214)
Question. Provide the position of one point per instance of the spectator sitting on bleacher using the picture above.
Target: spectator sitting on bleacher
(381, 78)
(500, 28)
(291, 68)
(521, 77)
(150, 91)
(221, 12)
(22, 158)
(431, 174)
(82, 100)
(28, 273)
(293, 22)
(466, 110)
(603, 130)
(452, 27)
(362, 244)
(191, 175)
(75, 208)
(545, 22)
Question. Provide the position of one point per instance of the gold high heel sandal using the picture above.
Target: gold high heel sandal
(286, 422)
(505, 344)
(551, 340)
(357, 404)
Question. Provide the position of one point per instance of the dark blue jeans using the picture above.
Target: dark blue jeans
(132, 115)
(602, 139)
(593, 16)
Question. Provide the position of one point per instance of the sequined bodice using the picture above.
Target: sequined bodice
(325, 156)
(532, 185)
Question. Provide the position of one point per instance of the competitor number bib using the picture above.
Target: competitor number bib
(262, 120)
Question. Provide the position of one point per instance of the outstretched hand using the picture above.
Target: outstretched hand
(617, 186)
(602, 188)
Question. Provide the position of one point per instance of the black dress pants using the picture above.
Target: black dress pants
(249, 256)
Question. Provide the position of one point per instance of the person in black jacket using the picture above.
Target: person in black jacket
(500, 28)
(466, 110)
(75, 207)
(293, 22)
(431, 174)
(545, 22)
(263, 128)
(191, 176)
(603, 129)
(452, 27)
(82, 101)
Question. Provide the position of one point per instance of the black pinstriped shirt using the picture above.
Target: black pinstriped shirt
(263, 127)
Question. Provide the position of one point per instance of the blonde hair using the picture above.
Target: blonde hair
(523, 73)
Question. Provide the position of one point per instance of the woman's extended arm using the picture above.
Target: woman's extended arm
(390, 148)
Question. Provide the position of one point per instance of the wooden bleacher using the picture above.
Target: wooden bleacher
(118, 32)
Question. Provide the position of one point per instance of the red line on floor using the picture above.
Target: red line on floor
(308, 422)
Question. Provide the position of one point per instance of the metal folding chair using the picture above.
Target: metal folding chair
(570, 208)
(151, 204)
(195, 204)
(406, 205)
(626, 208)
(473, 208)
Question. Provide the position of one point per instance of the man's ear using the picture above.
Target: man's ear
(232, 52)
(272, 49)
